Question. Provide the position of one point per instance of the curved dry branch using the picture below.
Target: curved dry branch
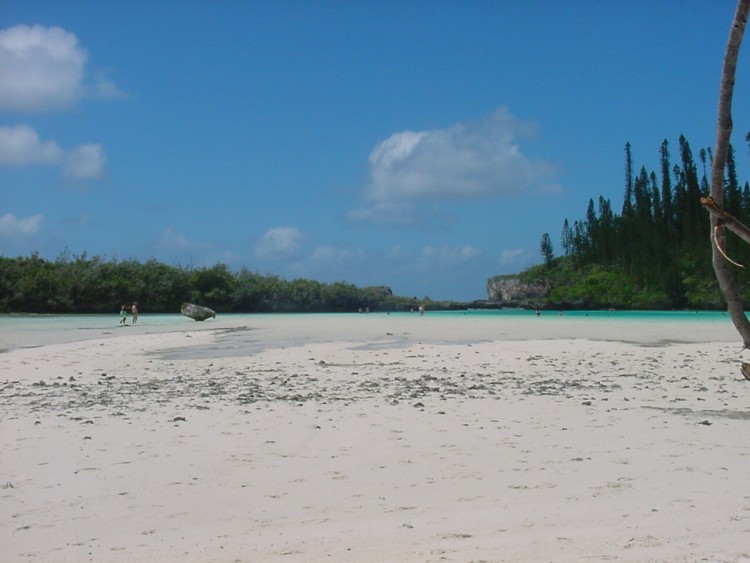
(721, 250)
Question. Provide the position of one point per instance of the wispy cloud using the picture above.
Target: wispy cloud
(511, 256)
(85, 161)
(279, 243)
(12, 226)
(21, 145)
(474, 160)
(44, 69)
(104, 87)
(172, 239)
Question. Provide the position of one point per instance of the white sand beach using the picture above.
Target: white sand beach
(377, 438)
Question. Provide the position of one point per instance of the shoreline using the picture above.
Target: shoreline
(364, 439)
(641, 327)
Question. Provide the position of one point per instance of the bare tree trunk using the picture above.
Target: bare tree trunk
(723, 134)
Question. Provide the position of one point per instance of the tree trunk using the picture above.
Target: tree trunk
(723, 133)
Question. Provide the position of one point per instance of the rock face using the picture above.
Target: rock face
(510, 291)
(197, 312)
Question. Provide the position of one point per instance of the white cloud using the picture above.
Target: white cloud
(473, 160)
(279, 243)
(13, 226)
(85, 161)
(21, 146)
(44, 69)
(40, 68)
(510, 256)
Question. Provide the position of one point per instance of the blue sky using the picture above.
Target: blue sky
(423, 145)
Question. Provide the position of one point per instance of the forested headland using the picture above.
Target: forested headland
(83, 284)
(656, 252)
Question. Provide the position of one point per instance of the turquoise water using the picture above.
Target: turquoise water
(626, 315)
(702, 318)
(23, 331)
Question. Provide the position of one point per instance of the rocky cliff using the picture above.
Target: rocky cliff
(510, 291)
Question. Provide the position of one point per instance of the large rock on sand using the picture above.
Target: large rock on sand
(197, 312)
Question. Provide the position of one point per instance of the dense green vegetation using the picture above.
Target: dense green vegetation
(79, 284)
(654, 254)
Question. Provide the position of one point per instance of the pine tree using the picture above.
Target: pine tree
(567, 239)
(547, 251)
(606, 232)
(732, 193)
(666, 189)
(627, 204)
(695, 217)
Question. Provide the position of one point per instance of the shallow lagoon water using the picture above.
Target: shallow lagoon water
(26, 331)
(235, 331)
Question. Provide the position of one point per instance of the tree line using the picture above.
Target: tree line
(655, 253)
(82, 284)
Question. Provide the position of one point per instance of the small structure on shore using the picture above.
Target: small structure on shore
(197, 312)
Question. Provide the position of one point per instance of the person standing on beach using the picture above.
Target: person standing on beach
(134, 312)
(123, 315)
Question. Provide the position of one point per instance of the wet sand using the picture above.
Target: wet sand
(378, 438)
